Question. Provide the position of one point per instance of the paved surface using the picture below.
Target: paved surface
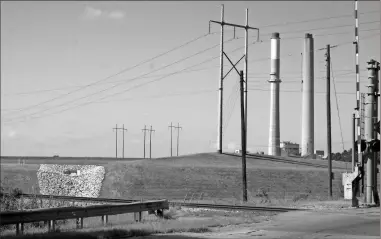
(332, 224)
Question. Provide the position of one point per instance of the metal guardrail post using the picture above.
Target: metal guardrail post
(77, 223)
(104, 220)
(18, 229)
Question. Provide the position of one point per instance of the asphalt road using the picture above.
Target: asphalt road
(332, 224)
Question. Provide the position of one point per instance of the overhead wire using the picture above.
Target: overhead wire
(146, 61)
(337, 105)
(134, 87)
(129, 80)
(86, 103)
(120, 72)
(66, 103)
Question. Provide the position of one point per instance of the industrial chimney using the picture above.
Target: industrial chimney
(274, 135)
(307, 144)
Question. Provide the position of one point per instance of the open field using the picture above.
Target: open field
(205, 176)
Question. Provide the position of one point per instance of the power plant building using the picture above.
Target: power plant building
(289, 148)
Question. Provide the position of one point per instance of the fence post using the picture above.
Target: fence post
(81, 222)
(40, 202)
(22, 228)
(18, 229)
(77, 223)
(104, 220)
(53, 225)
(140, 213)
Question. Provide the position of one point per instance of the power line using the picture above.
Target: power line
(298, 91)
(337, 105)
(120, 72)
(130, 80)
(134, 87)
(110, 82)
(86, 103)
(318, 19)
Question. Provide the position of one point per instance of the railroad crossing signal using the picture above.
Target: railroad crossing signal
(377, 127)
(372, 146)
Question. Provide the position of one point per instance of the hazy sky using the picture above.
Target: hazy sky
(50, 49)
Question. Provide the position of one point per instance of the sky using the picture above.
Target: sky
(70, 71)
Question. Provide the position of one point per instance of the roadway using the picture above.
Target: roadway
(328, 224)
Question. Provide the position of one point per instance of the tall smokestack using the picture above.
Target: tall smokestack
(308, 97)
(274, 136)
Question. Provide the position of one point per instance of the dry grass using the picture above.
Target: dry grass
(183, 220)
(205, 176)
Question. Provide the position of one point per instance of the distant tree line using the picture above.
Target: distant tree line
(346, 156)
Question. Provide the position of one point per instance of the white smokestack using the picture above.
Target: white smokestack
(307, 144)
(274, 135)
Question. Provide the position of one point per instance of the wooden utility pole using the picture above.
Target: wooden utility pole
(150, 141)
(178, 136)
(144, 141)
(171, 127)
(116, 140)
(243, 139)
(123, 129)
(329, 146)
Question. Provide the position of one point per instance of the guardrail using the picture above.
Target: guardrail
(50, 215)
(69, 198)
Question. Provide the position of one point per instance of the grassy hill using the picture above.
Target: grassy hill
(215, 176)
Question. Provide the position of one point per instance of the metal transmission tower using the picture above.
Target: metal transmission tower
(171, 127)
(150, 141)
(144, 140)
(222, 76)
(178, 136)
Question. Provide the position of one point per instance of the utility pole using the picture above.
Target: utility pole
(144, 140)
(116, 140)
(243, 139)
(171, 127)
(328, 101)
(178, 137)
(329, 145)
(150, 142)
(123, 129)
(222, 76)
